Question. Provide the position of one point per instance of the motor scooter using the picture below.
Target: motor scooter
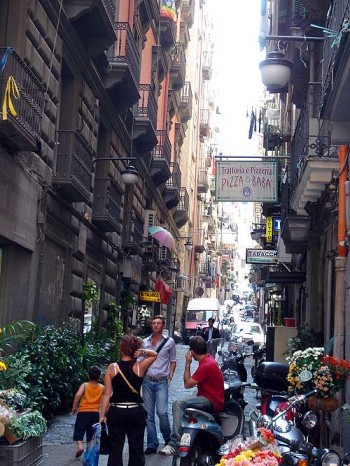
(203, 433)
(234, 371)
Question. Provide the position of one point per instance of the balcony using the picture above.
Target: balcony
(187, 11)
(167, 32)
(150, 255)
(20, 131)
(106, 205)
(131, 268)
(312, 161)
(93, 21)
(202, 181)
(149, 12)
(178, 66)
(185, 108)
(74, 167)
(161, 156)
(207, 70)
(180, 214)
(336, 71)
(294, 233)
(122, 76)
(145, 122)
(204, 127)
(171, 193)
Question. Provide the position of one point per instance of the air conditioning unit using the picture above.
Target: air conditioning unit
(180, 284)
(150, 221)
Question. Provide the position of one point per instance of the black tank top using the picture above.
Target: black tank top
(121, 391)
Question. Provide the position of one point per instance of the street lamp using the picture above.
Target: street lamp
(129, 174)
(275, 69)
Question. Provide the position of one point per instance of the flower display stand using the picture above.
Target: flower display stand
(323, 404)
(23, 453)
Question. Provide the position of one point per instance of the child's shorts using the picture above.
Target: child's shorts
(83, 424)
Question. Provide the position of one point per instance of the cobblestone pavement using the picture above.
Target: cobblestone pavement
(59, 449)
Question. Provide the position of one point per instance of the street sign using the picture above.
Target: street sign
(261, 256)
(242, 181)
(152, 296)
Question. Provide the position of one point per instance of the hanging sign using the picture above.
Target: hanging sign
(261, 256)
(269, 230)
(246, 181)
(153, 296)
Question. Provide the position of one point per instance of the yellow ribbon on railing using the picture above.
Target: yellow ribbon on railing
(11, 90)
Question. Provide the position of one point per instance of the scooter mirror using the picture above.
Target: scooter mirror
(305, 376)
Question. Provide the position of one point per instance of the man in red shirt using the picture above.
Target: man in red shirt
(210, 383)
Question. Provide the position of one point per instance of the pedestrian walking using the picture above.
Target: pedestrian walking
(207, 378)
(87, 403)
(122, 406)
(156, 383)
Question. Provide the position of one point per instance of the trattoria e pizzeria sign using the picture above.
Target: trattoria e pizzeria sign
(241, 181)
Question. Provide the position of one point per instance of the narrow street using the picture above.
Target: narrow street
(59, 449)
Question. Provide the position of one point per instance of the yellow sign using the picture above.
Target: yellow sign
(153, 296)
(269, 230)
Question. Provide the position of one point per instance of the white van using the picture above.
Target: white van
(199, 310)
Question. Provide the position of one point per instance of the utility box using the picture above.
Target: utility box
(276, 342)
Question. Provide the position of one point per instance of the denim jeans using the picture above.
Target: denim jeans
(179, 407)
(155, 399)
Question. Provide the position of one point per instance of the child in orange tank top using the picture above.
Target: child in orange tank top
(86, 404)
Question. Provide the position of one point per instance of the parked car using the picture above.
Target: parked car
(250, 331)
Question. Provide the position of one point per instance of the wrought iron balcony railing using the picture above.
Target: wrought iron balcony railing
(147, 105)
(111, 9)
(175, 179)
(74, 165)
(339, 16)
(306, 141)
(163, 148)
(28, 107)
(125, 50)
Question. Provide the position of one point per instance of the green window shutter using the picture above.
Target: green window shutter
(282, 8)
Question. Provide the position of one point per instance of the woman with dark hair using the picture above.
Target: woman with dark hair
(122, 407)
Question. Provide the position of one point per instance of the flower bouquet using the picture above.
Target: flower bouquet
(261, 452)
(329, 374)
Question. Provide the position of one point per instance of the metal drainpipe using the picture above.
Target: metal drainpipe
(340, 261)
(340, 288)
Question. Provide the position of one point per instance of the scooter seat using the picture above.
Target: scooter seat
(200, 407)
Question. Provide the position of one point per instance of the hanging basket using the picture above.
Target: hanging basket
(323, 404)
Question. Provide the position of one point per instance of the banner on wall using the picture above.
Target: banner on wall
(246, 181)
(168, 9)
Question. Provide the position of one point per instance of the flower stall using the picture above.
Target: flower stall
(329, 376)
(253, 452)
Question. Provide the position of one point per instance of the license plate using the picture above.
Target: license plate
(185, 439)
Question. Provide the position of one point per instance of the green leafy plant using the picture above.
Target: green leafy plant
(90, 294)
(14, 333)
(114, 328)
(50, 366)
(29, 424)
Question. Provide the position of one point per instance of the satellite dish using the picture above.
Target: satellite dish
(199, 291)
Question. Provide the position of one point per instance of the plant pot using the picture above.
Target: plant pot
(323, 404)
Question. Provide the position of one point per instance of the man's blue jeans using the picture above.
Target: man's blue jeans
(179, 407)
(155, 398)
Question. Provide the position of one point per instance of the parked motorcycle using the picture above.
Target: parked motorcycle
(293, 444)
(203, 432)
(234, 371)
(259, 356)
(271, 379)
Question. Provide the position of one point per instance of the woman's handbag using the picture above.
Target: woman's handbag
(105, 442)
(91, 454)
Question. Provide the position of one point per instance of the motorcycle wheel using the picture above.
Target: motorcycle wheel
(191, 459)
